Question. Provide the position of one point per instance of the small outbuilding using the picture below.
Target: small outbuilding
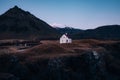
(65, 39)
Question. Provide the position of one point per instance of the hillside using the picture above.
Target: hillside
(19, 24)
(71, 31)
(86, 59)
(108, 32)
(103, 32)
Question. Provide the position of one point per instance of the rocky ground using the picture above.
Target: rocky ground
(82, 60)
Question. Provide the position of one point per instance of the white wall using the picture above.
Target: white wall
(65, 39)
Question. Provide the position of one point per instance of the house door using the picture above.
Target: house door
(66, 41)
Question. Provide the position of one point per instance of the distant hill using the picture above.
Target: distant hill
(71, 31)
(19, 24)
(68, 30)
(103, 32)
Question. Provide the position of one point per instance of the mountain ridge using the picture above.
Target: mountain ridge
(17, 23)
(105, 32)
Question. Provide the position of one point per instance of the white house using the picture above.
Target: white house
(65, 39)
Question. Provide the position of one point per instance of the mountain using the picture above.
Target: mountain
(19, 24)
(71, 31)
(68, 30)
(103, 32)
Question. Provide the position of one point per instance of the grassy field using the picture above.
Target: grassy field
(72, 59)
(52, 48)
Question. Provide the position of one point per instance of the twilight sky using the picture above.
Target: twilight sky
(83, 14)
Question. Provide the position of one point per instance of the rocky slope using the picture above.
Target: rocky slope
(89, 60)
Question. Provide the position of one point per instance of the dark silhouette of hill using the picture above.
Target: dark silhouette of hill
(71, 31)
(103, 32)
(19, 24)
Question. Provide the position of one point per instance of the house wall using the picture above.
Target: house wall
(63, 40)
(70, 41)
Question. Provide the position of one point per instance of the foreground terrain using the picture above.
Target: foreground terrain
(82, 60)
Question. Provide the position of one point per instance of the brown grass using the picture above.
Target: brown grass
(49, 49)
